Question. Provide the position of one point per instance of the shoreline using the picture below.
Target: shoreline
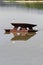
(28, 4)
(23, 1)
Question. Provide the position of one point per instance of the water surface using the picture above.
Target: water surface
(28, 52)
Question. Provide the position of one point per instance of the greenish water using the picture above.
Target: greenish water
(33, 5)
(23, 0)
(38, 5)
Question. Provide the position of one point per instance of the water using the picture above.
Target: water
(28, 52)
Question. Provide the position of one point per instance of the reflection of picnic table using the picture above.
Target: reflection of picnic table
(26, 37)
(21, 31)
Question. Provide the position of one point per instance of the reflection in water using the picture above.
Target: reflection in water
(26, 37)
(13, 42)
(21, 32)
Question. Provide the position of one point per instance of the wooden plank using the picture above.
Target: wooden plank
(23, 25)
